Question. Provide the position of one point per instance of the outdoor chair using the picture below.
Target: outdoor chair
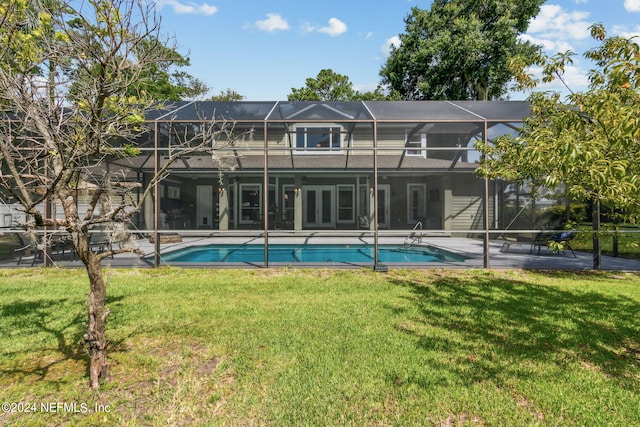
(61, 244)
(29, 246)
(514, 239)
(565, 237)
(542, 240)
(100, 241)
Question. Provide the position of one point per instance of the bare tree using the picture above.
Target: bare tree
(66, 80)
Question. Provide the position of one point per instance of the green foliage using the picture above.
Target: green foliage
(163, 80)
(226, 96)
(331, 86)
(377, 95)
(24, 29)
(557, 214)
(130, 151)
(460, 49)
(327, 86)
(589, 143)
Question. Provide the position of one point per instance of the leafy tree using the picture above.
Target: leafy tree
(331, 86)
(460, 49)
(66, 109)
(164, 80)
(377, 95)
(587, 144)
(327, 86)
(226, 96)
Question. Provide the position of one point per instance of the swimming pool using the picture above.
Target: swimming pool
(320, 253)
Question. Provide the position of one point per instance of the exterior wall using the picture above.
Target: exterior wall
(467, 207)
(452, 201)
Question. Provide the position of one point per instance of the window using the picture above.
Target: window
(317, 138)
(416, 144)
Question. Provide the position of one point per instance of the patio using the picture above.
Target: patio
(518, 257)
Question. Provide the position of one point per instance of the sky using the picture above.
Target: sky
(264, 48)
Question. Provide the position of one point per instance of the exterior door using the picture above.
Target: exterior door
(251, 204)
(204, 206)
(318, 206)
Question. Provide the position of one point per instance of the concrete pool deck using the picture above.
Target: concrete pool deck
(517, 257)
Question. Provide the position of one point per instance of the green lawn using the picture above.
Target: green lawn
(326, 347)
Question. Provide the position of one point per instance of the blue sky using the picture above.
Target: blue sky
(263, 48)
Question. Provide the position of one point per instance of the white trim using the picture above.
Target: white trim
(420, 151)
(320, 150)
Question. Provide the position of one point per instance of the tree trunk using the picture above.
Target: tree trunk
(595, 219)
(97, 314)
(96, 327)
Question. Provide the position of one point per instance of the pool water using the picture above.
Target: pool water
(281, 253)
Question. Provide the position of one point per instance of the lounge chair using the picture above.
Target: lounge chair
(543, 239)
(514, 239)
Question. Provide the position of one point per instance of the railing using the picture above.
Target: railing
(415, 237)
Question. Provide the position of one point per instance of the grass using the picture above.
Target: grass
(326, 347)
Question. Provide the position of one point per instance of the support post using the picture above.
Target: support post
(156, 200)
(485, 246)
(595, 218)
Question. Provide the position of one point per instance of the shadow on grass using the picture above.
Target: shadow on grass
(26, 319)
(494, 327)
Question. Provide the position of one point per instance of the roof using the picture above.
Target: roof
(442, 111)
(336, 111)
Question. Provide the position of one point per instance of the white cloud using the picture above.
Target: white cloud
(274, 22)
(555, 23)
(582, 1)
(208, 10)
(632, 5)
(386, 48)
(188, 9)
(548, 45)
(622, 31)
(335, 27)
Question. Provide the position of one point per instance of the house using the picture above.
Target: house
(325, 165)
